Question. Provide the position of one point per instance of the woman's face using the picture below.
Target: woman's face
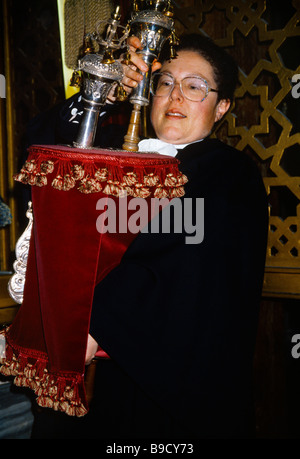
(178, 120)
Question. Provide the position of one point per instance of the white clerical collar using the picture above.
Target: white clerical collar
(161, 147)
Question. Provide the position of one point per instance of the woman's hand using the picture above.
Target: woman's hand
(91, 349)
(132, 75)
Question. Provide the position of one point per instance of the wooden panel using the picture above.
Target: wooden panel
(30, 61)
(8, 308)
(282, 283)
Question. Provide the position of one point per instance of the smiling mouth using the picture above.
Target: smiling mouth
(175, 115)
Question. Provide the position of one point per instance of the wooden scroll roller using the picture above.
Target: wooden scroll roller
(132, 137)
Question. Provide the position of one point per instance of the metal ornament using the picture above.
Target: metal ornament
(100, 73)
(152, 23)
(153, 28)
(17, 281)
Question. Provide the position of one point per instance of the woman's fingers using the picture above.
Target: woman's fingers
(134, 43)
(156, 66)
(134, 72)
(137, 60)
(131, 76)
(134, 67)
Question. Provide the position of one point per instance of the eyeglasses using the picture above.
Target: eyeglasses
(192, 88)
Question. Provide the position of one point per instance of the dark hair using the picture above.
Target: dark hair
(224, 66)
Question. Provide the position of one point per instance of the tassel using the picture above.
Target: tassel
(45, 402)
(151, 179)
(141, 192)
(63, 406)
(30, 166)
(77, 172)
(61, 386)
(101, 174)
(161, 192)
(32, 180)
(170, 180)
(89, 185)
(112, 188)
(130, 178)
(81, 411)
(69, 393)
(57, 183)
(56, 406)
(69, 182)
(47, 167)
(40, 368)
(18, 381)
(63, 183)
(5, 370)
(41, 179)
(70, 410)
(21, 177)
(182, 179)
(127, 190)
(176, 192)
(29, 371)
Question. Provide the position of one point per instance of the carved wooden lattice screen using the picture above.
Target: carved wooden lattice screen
(265, 40)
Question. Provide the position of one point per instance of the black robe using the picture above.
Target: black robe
(180, 319)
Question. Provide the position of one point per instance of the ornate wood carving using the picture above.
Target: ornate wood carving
(264, 121)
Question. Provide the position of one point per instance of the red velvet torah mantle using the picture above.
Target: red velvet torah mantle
(68, 256)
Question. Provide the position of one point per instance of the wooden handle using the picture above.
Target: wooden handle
(132, 137)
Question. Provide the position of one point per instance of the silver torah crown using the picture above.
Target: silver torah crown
(153, 25)
(97, 81)
(100, 72)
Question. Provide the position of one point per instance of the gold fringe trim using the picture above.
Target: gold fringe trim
(59, 393)
(87, 178)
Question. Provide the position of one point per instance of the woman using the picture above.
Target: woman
(179, 320)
